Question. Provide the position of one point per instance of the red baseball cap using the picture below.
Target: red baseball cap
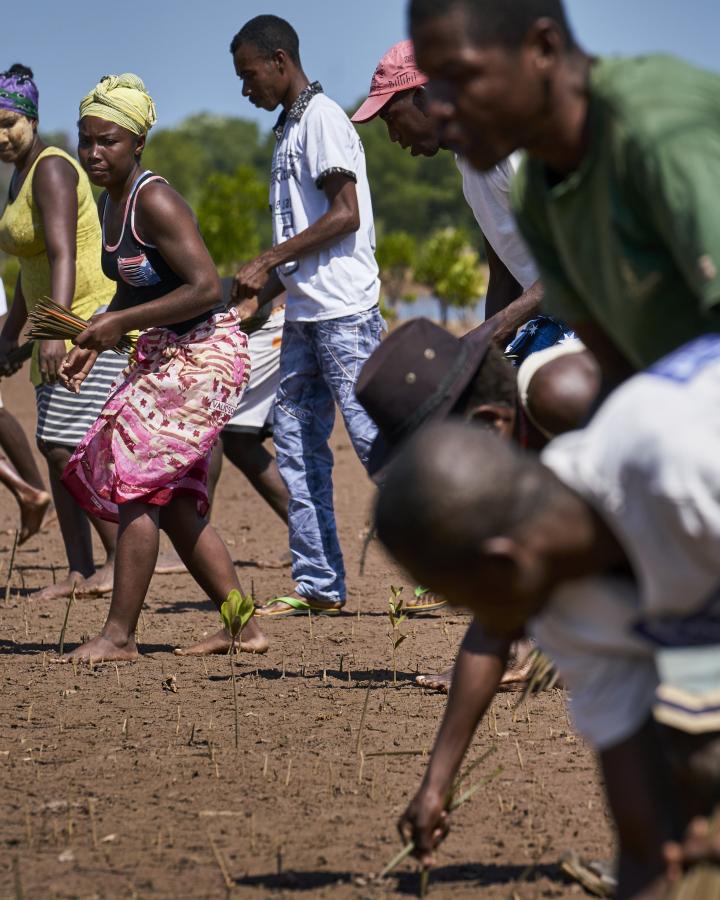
(397, 71)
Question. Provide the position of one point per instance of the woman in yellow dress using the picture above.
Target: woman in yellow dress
(50, 223)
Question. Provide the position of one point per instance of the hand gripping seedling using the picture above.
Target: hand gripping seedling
(452, 802)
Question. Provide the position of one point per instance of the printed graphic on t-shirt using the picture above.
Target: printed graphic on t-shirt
(137, 271)
(286, 217)
(286, 165)
(283, 211)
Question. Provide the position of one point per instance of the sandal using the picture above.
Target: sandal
(282, 607)
(595, 876)
(424, 601)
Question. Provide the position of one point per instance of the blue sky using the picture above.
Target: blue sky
(180, 48)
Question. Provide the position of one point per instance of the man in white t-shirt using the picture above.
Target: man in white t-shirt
(610, 551)
(398, 96)
(323, 256)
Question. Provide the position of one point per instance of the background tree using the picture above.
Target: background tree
(450, 267)
(396, 253)
(204, 145)
(233, 217)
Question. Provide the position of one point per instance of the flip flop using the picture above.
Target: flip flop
(417, 606)
(294, 606)
(595, 876)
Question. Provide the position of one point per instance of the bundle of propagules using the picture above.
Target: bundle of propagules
(50, 322)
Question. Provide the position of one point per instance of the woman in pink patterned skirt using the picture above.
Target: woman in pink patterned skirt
(144, 461)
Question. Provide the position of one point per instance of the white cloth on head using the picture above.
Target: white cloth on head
(341, 279)
(488, 195)
(533, 363)
(649, 463)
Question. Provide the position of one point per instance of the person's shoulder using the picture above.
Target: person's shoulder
(55, 159)
(156, 187)
(55, 168)
(324, 108)
(321, 102)
(656, 96)
(650, 417)
(157, 198)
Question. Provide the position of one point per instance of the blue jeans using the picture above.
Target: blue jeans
(319, 366)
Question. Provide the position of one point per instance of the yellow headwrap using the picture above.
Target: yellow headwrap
(121, 99)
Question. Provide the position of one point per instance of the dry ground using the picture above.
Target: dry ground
(116, 782)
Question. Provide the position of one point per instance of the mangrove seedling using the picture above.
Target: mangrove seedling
(453, 801)
(397, 617)
(236, 612)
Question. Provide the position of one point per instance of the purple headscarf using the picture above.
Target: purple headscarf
(18, 93)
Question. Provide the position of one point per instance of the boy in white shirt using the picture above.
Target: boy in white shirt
(323, 255)
(610, 553)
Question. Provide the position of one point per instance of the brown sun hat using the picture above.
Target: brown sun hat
(417, 375)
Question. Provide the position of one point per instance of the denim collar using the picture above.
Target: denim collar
(298, 108)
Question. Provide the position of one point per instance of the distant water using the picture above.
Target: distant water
(430, 308)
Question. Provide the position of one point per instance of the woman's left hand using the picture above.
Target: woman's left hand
(76, 367)
(103, 332)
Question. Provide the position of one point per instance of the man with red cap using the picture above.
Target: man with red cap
(398, 96)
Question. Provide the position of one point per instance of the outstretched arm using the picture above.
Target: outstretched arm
(478, 671)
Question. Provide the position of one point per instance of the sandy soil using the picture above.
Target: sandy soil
(125, 781)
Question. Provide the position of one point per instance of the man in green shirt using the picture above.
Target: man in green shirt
(617, 203)
(617, 199)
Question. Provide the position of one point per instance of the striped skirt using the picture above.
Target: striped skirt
(65, 418)
(155, 434)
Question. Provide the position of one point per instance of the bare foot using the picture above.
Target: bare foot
(60, 590)
(252, 641)
(101, 582)
(102, 649)
(440, 682)
(216, 643)
(169, 563)
(32, 514)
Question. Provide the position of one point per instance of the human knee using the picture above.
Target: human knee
(180, 514)
(56, 455)
(246, 451)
